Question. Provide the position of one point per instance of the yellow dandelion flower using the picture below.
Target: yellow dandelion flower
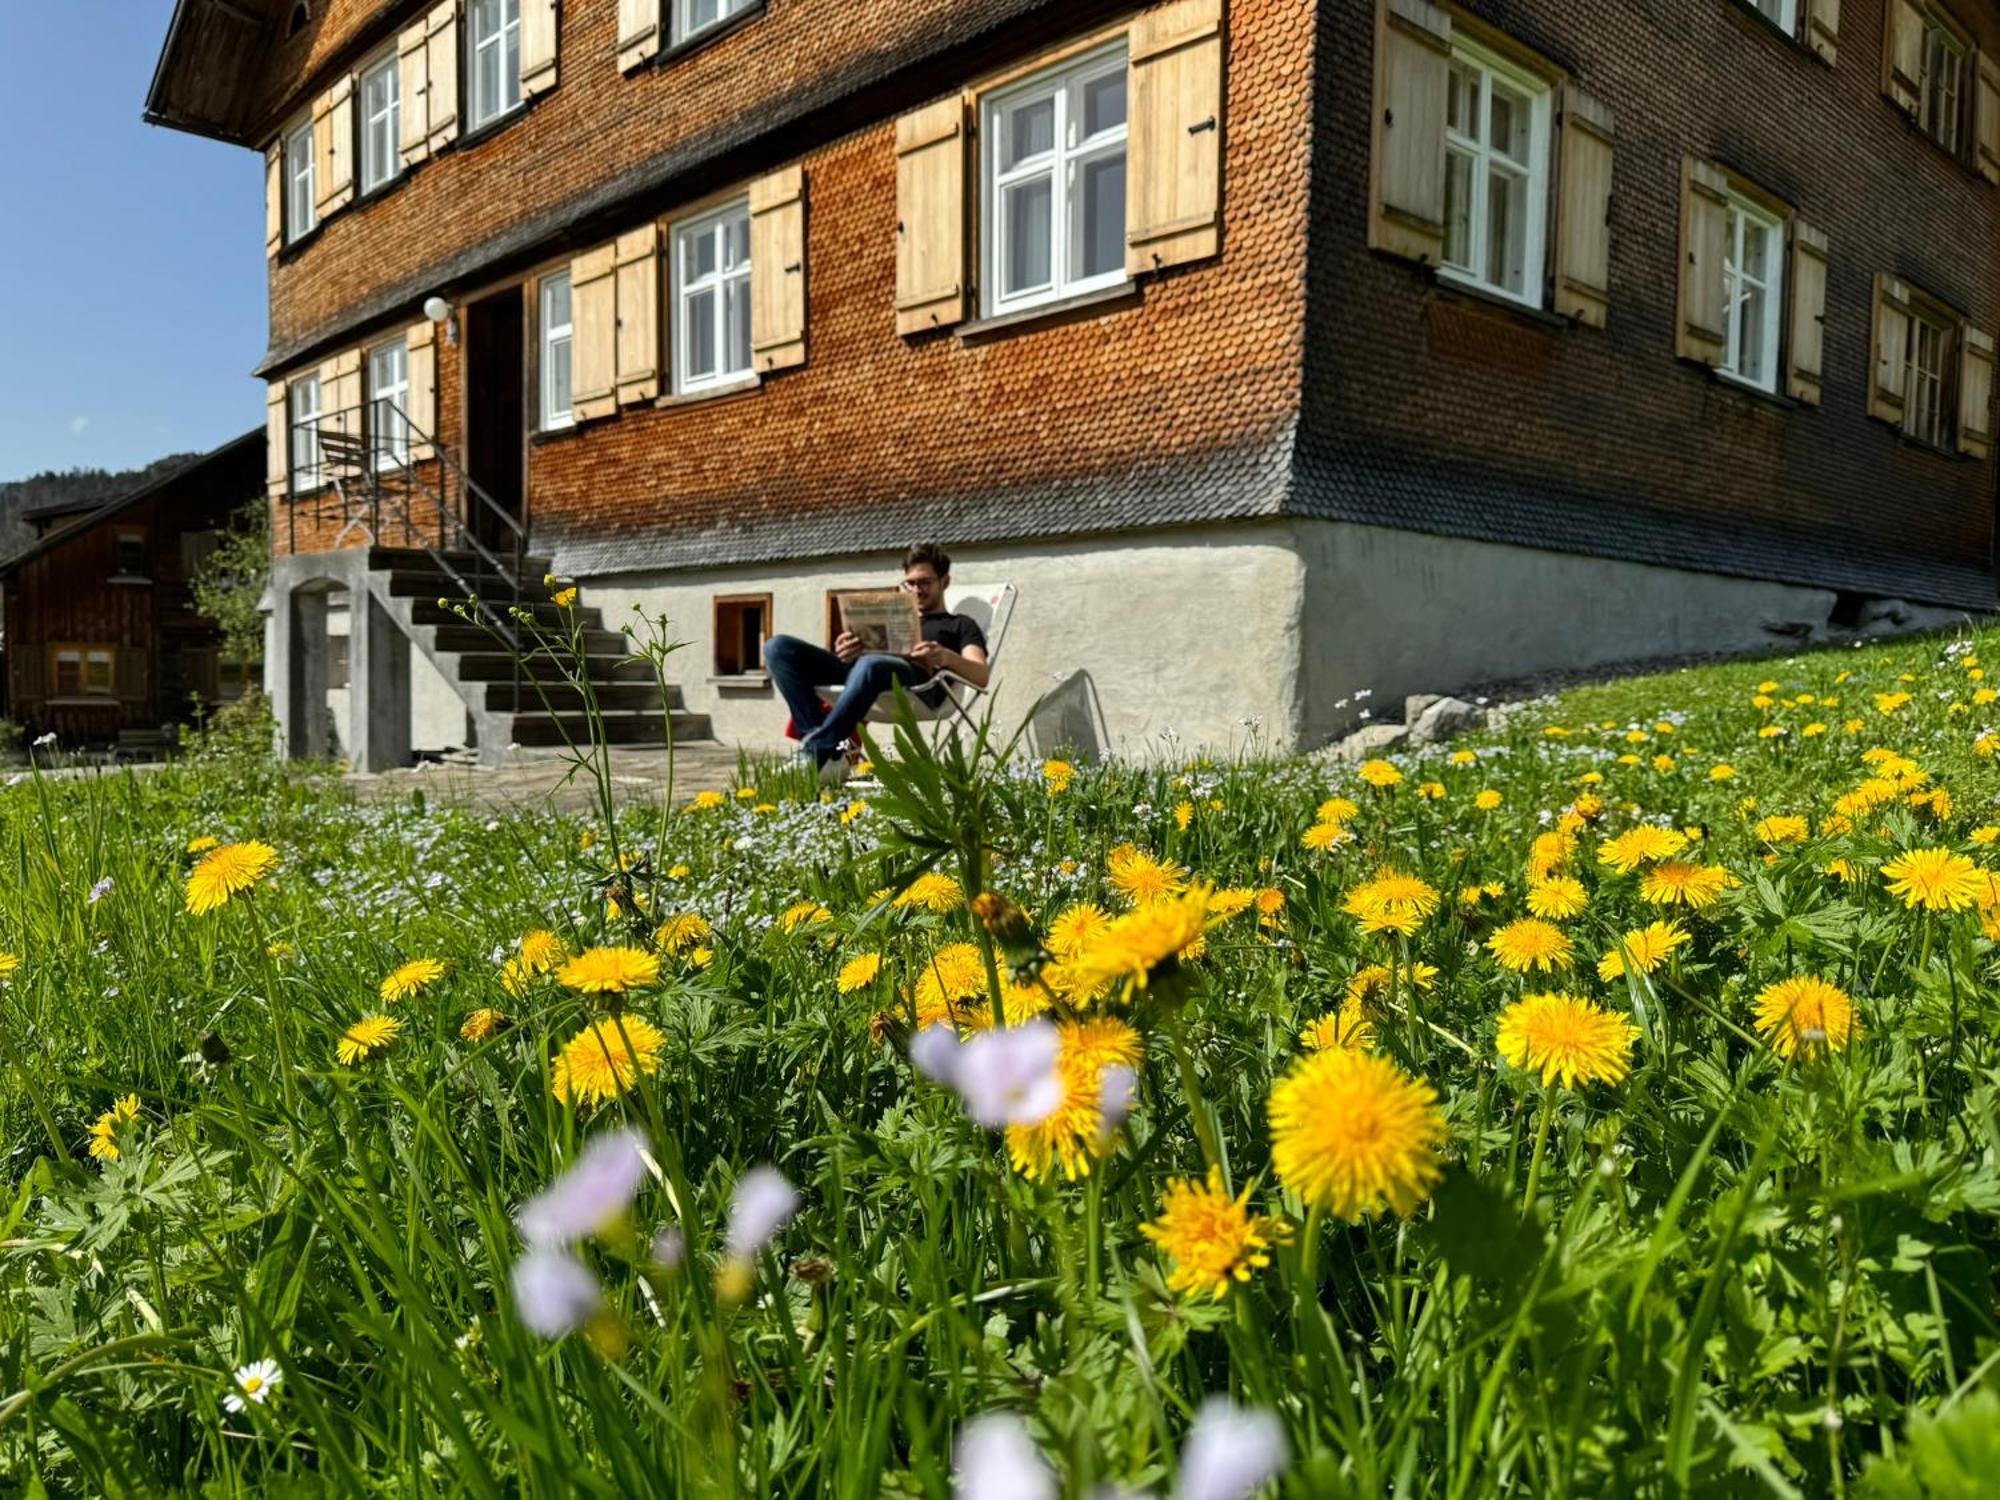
(682, 933)
(541, 951)
(1375, 979)
(9, 963)
(104, 1133)
(225, 871)
(1641, 844)
(951, 978)
(1124, 956)
(1074, 1134)
(1558, 899)
(1075, 927)
(1347, 1027)
(1231, 901)
(365, 1037)
(563, 598)
(1805, 1015)
(1549, 853)
(932, 892)
(1353, 1134)
(1782, 828)
(411, 978)
(1379, 774)
(1335, 810)
(1935, 879)
(1057, 776)
(1323, 836)
(1391, 902)
(1212, 1238)
(610, 971)
(1646, 947)
(483, 1023)
(703, 801)
(1139, 877)
(1529, 943)
(604, 1059)
(1488, 799)
(203, 844)
(1568, 1038)
(1183, 815)
(1986, 833)
(803, 914)
(858, 972)
(1683, 883)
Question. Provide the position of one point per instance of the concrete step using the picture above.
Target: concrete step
(410, 559)
(455, 635)
(425, 610)
(497, 666)
(566, 699)
(620, 727)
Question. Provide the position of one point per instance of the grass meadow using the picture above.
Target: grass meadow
(1602, 1104)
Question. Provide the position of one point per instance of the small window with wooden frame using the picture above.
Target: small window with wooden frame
(742, 626)
(129, 560)
(82, 671)
(1934, 72)
(1933, 370)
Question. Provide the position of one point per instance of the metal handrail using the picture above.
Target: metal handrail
(352, 454)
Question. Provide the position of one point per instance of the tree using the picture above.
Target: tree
(229, 584)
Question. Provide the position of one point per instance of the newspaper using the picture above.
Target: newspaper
(884, 619)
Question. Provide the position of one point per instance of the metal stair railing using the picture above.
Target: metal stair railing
(364, 460)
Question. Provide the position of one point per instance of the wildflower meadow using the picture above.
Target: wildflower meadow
(1599, 1104)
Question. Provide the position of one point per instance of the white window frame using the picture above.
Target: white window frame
(1491, 65)
(555, 410)
(1062, 164)
(375, 172)
(721, 281)
(684, 27)
(507, 39)
(301, 205)
(1769, 277)
(1927, 418)
(302, 423)
(1944, 125)
(1783, 14)
(389, 405)
(107, 658)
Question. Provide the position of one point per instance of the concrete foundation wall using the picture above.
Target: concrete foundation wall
(1190, 630)
(1399, 612)
(437, 714)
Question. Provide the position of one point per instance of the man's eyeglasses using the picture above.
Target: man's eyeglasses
(917, 585)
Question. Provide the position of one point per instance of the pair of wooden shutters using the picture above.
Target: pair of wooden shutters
(1173, 168)
(1903, 81)
(1413, 41)
(1893, 325)
(1702, 316)
(333, 148)
(618, 325)
(341, 396)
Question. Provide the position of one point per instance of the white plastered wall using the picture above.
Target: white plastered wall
(1192, 631)
(437, 714)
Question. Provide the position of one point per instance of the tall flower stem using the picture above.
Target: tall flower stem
(1541, 1147)
(1204, 1127)
(277, 1009)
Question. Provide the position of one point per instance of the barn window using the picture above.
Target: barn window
(82, 671)
(131, 554)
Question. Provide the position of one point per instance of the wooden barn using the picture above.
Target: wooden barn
(102, 644)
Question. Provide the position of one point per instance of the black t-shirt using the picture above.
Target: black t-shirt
(953, 632)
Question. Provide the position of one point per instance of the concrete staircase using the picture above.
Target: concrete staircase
(544, 711)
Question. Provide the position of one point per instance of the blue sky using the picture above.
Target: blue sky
(131, 258)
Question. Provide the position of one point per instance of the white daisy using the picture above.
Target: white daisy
(253, 1383)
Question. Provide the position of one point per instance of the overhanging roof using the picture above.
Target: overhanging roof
(204, 80)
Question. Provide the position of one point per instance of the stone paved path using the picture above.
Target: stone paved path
(699, 765)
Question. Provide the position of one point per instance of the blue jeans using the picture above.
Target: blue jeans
(800, 668)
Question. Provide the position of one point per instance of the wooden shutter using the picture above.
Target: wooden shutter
(1889, 349)
(333, 148)
(274, 198)
(1701, 329)
(1583, 221)
(421, 407)
(1903, 55)
(593, 344)
(1986, 119)
(778, 270)
(277, 440)
(1806, 343)
(638, 32)
(1975, 391)
(638, 313)
(1173, 169)
(1823, 28)
(441, 44)
(538, 47)
(340, 394)
(930, 217)
(413, 98)
(1406, 161)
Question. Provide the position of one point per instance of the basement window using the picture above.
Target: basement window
(742, 626)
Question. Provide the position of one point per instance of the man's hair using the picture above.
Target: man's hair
(928, 552)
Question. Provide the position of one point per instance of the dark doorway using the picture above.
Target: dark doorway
(495, 431)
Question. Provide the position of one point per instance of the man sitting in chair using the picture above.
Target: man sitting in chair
(952, 643)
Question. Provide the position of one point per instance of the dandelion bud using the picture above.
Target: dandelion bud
(1003, 919)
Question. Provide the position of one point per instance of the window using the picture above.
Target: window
(555, 351)
(1930, 357)
(712, 299)
(388, 403)
(338, 670)
(495, 66)
(1782, 14)
(691, 17)
(381, 124)
(1054, 184)
(1496, 174)
(742, 625)
(131, 562)
(299, 204)
(1940, 109)
(82, 671)
(1752, 293)
(303, 396)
